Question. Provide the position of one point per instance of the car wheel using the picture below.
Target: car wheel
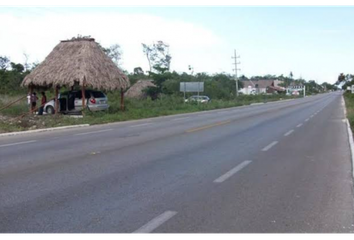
(50, 110)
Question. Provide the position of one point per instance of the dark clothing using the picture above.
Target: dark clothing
(40, 111)
(34, 98)
(33, 102)
(44, 100)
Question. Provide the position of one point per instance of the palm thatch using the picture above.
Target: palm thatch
(79, 61)
(137, 90)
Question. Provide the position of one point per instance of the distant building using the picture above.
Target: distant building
(262, 86)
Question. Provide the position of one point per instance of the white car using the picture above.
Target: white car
(196, 98)
(71, 102)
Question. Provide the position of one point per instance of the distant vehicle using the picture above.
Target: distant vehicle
(253, 92)
(71, 102)
(201, 99)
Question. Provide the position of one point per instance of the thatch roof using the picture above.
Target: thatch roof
(77, 61)
(137, 90)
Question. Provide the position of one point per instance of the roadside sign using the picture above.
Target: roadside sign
(294, 88)
(352, 89)
(191, 87)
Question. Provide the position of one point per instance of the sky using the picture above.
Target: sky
(315, 43)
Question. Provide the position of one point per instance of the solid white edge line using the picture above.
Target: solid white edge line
(99, 131)
(269, 146)
(18, 143)
(299, 125)
(156, 222)
(232, 172)
(289, 132)
(43, 130)
(351, 144)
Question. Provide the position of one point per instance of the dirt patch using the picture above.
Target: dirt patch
(29, 122)
(6, 119)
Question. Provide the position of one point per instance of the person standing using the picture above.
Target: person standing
(29, 96)
(34, 99)
(43, 102)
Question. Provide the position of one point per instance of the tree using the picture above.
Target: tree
(327, 86)
(149, 54)
(341, 78)
(11, 77)
(243, 78)
(158, 55)
(138, 71)
(291, 75)
(269, 76)
(345, 82)
(26, 65)
(4, 62)
(17, 67)
(115, 53)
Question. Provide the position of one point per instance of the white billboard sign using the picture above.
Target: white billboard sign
(191, 87)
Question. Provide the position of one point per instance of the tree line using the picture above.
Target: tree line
(216, 86)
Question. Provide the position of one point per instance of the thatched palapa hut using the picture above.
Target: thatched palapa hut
(137, 90)
(77, 62)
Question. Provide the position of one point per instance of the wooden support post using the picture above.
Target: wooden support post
(83, 96)
(56, 100)
(122, 107)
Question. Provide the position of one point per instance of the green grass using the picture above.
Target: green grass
(6, 127)
(135, 109)
(349, 103)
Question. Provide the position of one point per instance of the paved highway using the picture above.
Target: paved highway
(277, 167)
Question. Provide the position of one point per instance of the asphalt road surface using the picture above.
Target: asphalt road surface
(277, 167)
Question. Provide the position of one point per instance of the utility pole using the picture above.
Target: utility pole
(236, 69)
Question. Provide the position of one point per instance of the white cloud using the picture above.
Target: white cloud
(37, 33)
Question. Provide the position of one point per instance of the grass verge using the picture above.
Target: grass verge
(135, 109)
(349, 103)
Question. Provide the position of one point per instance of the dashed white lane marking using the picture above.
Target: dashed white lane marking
(156, 222)
(86, 133)
(299, 125)
(312, 115)
(18, 143)
(270, 146)
(289, 132)
(232, 172)
(140, 125)
(177, 119)
(307, 119)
